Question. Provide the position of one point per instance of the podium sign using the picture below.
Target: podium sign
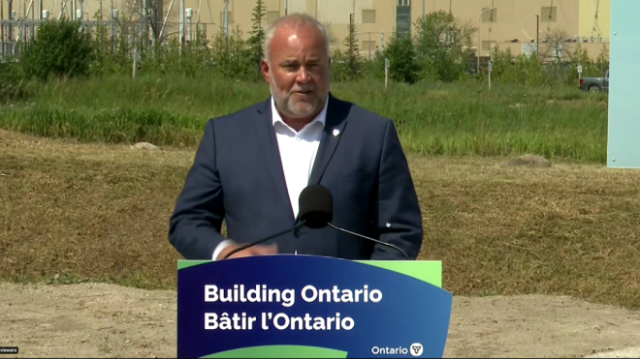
(299, 306)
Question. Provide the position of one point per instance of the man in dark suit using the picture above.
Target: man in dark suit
(251, 166)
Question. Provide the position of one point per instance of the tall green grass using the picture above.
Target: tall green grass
(446, 119)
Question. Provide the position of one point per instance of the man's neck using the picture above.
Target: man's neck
(297, 123)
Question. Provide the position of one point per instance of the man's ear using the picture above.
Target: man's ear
(264, 68)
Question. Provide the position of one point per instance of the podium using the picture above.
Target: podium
(300, 306)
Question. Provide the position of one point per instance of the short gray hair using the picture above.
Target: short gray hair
(294, 20)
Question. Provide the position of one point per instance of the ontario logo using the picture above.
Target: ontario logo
(415, 349)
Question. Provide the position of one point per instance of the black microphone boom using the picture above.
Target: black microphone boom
(316, 208)
(316, 211)
(371, 239)
(241, 248)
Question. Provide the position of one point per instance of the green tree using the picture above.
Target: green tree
(440, 44)
(60, 49)
(231, 55)
(255, 41)
(353, 63)
(404, 66)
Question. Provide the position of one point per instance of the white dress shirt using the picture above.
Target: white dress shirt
(297, 152)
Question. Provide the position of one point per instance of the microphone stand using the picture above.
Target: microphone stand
(371, 239)
(241, 248)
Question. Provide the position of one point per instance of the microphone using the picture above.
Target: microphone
(316, 206)
(316, 210)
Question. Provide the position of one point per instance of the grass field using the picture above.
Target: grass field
(78, 204)
(452, 119)
(74, 212)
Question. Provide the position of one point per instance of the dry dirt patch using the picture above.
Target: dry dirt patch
(104, 320)
(100, 212)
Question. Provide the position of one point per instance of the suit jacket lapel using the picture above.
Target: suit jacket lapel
(268, 145)
(331, 135)
(266, 139)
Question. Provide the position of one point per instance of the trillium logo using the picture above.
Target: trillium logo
(416, 349)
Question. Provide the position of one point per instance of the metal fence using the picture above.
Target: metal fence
(16, 34)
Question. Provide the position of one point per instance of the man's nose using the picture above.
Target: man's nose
(303, 74)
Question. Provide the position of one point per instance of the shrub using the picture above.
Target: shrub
(60, 49)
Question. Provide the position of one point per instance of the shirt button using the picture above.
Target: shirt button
(296, 233)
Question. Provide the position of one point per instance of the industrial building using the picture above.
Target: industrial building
(515, 24)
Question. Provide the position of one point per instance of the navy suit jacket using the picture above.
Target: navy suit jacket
(237, 177)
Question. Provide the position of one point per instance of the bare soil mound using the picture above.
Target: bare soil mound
(103, 320)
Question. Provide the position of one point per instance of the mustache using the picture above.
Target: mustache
(302, 90)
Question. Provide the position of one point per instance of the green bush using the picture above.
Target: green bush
(60, 49)
(12, 85)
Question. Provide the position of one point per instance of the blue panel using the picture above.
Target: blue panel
(623, 149)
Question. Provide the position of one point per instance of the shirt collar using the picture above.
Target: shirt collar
(321, 117)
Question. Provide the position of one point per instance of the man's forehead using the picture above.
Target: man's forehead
(297, 33)
(295, 59)
(309, 50)
(293, 43)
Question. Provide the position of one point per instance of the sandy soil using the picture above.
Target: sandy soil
(100, 320)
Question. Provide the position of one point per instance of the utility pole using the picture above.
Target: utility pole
(479, 46)
(2, 29)
(10, 26)
(226, 19)
(181, 28)
(537, 35)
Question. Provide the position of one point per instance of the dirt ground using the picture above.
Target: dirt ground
(86, 211)
(101, 320)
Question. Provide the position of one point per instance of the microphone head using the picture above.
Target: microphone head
(315, 206)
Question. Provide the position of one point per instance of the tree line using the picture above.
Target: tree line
(437, 49)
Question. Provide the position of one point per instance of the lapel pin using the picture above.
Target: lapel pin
(336, 132)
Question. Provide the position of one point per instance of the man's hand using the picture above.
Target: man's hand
(249, 252)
